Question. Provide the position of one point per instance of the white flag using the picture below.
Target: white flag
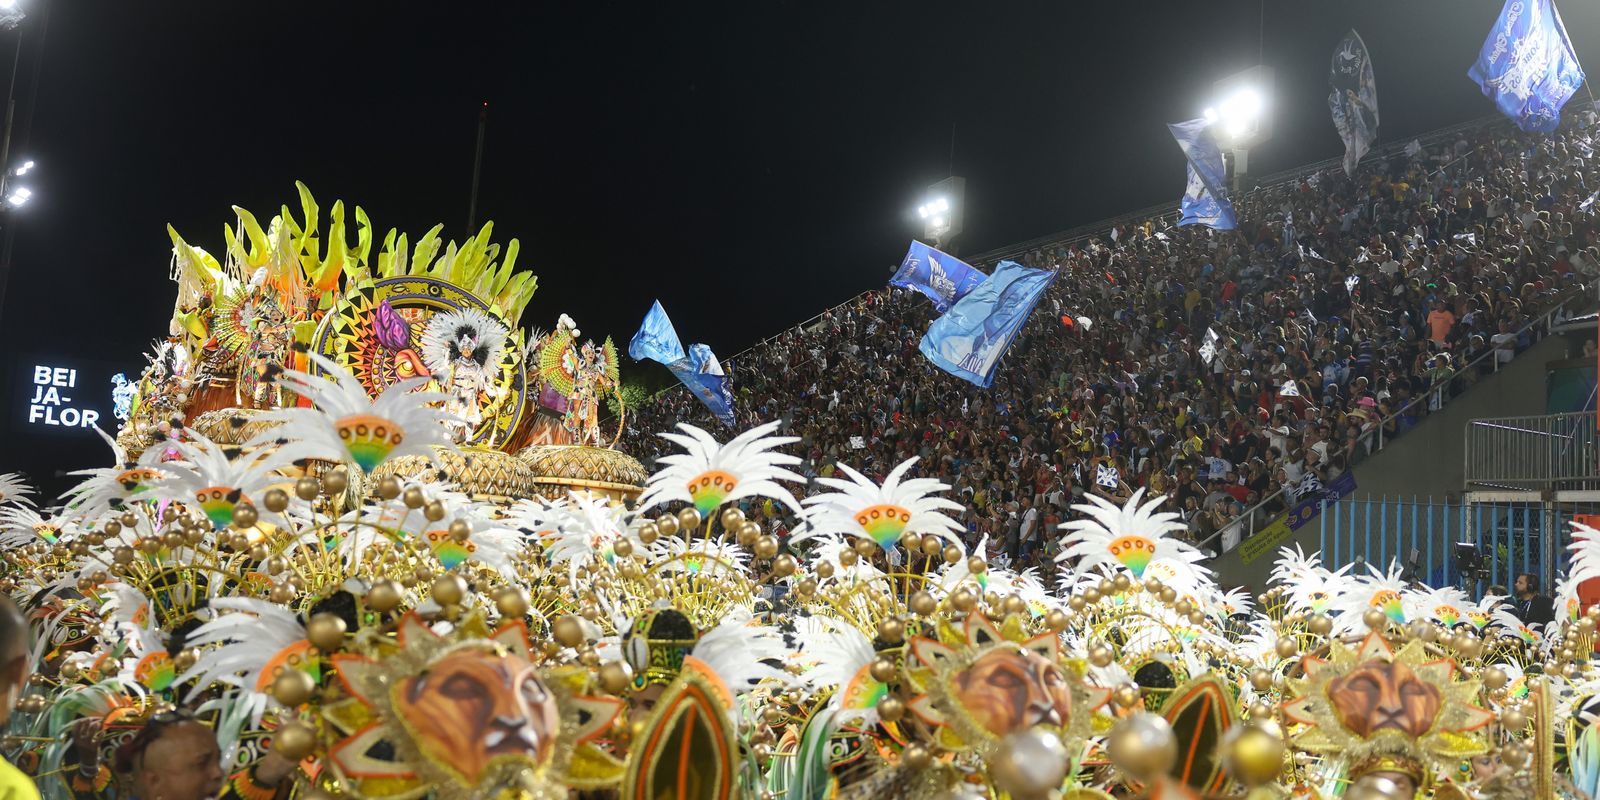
(1107, 477)
(1208, 348)
(1289, 389)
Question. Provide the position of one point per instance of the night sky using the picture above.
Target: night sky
(748, 164)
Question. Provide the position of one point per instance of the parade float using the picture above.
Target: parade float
(360, 519)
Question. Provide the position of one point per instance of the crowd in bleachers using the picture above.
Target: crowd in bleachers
(1341, 306)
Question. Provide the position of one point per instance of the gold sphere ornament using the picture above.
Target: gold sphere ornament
(848, 557)
(912, 542)
(1252, 752)
(1169, 595)
(185, 659)
(448, 589)
(245, 516)
(732, 518)
(1261, 680)
(1375, 619)
(615, 676)
(865, 547)
(892, 630)
(294, 740)
(1091, 595)
(806, 587)
(1375, 786)
(1320, 624)
(1126, 696)
(568, 631)
(293, 687)
(1077, 603)
(389, 488)
(434, 511)
(1286, 647)
(952, 554)
(276, 500)
(383, 597)
(766, 546)
(326, 631)
(1143, 746)
(1514, 754)
(689, 518)
(977, 566)
(512, 602)
(932, 546)
(461, 530)
(1513, 719)
(1057, 620)
(1029, 764)
(917, 756)
(259, 553)
(963, 600)
(882, 670)
(649, 532)
(114, 528)
(891, 709)
(1122, 582)
(824, 569)
(282, 594)
(129, 519)
(1153, 585)
(922, 602)
(783, 566)
(1106, 586)
(1100, 655)
(622, 548)
(667, 524)
(413, 497)
(1495, 677)
(336, 481)
(307, 488)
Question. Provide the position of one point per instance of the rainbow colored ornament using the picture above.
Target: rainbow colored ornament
(1133, 552)
(369, 439)
(883, 523)
(710, 488)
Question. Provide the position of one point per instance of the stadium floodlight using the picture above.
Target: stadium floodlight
(23, 170)
(1239, 114)
(940, 211)
(19, 196)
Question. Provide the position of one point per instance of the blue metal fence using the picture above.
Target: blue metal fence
(1510, 537)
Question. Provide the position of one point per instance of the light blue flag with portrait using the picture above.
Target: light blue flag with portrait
(1205, 199)
(656, 340)
(941, 276)
(697, 369)
(1527, 65)
(971, 338)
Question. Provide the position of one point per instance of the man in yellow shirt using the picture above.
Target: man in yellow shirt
(14, 670)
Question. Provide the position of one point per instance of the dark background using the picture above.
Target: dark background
(748, 164)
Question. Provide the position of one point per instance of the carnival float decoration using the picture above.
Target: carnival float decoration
(349, 526)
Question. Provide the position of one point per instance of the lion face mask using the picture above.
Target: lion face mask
(1380, 695)
(473, 709)
(1011, 689)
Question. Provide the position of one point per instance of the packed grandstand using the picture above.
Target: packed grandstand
(1379, 297)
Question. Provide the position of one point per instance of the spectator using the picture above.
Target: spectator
(14, 673)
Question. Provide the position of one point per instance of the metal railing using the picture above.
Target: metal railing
(1372, 441)
(1549, 451)
(1422, 534)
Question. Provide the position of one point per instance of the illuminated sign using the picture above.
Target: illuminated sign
(51, 405)
(53, 394)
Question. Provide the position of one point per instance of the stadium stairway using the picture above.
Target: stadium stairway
(1429, 460)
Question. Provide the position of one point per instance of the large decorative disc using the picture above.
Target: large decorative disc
(376, 332)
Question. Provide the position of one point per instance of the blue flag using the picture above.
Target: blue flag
(656, 340)
(1205, 199)
(1527, 65)
(1353, 98)
(941, 276)
(969, 340)
(697, 369)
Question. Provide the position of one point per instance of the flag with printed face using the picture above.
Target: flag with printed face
(1527, 65)
(697, 369)
(969, 340)
(1353, 99)
(1205, 199)
(941, 276)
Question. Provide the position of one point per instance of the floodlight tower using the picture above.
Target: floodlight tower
(941, 212)
(1240, 115)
